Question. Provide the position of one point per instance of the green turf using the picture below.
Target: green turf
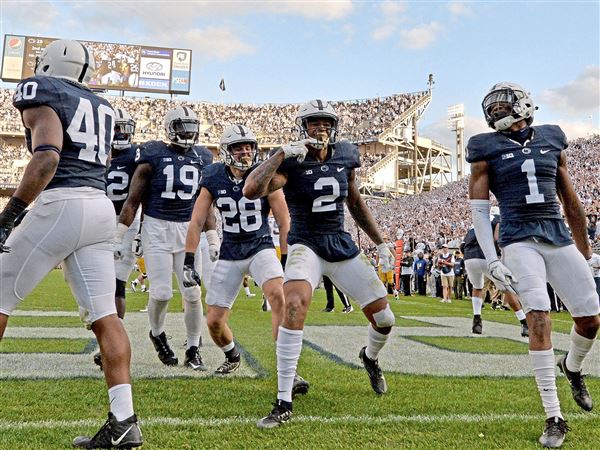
(45, 321)
(489, 345)
(45, 345)
(420, 412)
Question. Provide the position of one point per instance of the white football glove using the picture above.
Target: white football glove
(297, 149)
(502, 276)
(386, 257)
(214, 245)
(118, 247)
(136, 246)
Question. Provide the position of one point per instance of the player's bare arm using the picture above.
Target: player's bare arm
(46, 130)
(265, 178)
(479, 182)
(200, 216)
(139, 184)
(281, 216)
(572, 207)
(211, 220)
(359, 211)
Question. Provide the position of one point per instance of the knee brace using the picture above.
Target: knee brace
(162, 293)
(191, 294)
(384, 318)
(120, 289)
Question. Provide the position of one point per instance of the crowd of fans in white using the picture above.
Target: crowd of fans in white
(433, 218)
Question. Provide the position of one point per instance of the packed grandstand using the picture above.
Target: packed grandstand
(430, 217)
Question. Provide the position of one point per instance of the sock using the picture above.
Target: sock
(192, 316)
(545, 378)
(289, 346)
(375, 342)
(135, 282)
(231, 352)
(477, 303)
(247, 290)
(121, 401)
(579, 348)
(157, 314)
(520, 315)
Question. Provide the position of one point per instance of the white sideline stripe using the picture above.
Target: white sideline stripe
(206, 422)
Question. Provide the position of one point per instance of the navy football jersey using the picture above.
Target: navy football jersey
(472, 250)
(245, 223)
(88, 126)
(315, 193)
(119, 174)
(523, 179)
(175, 182)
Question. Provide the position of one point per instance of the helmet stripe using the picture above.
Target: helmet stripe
(320, 105)
(185, 110)
(241, 130)
(86, 64)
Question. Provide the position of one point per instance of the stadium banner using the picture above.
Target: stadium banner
(122, 67)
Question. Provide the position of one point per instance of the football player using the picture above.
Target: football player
(476, 267)
(247, 246)
(69, 131)
(167, 179)
(318, 178)
(525, 167)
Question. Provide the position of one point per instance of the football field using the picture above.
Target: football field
(447, 388)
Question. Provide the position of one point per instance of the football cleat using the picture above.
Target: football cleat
(375, 375)
(113, 434)
(348, 309)
(134, 285)
(229, 366)
(477, 327)
(578, 388)
(327, 310)
(98, 360)
(554, 432)
(281, 413)
(193, 360)
(143, 288)
(524, 330)
(165, 354)
(300, 386)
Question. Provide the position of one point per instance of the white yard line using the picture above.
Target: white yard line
(363, 419)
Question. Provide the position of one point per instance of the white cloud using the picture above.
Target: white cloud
(328, 10)
(18, 18)
(421, 36)
(578, 129)
(580, 96)
(390, 20)
(458, 9)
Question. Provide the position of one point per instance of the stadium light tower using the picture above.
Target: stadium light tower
(456, 123)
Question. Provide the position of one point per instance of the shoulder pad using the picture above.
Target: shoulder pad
(480, 147)
(554, 135)
(148, 151)
(204, 153)
(349, 153)
(36, 91)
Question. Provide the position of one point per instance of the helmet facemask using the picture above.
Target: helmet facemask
(183, 132)
(237, 155)
(124, 131)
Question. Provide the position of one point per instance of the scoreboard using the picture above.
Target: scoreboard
(122, 67)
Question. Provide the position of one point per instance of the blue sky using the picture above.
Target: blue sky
(280, 51)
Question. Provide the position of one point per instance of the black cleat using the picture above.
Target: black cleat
(578, 388)
(375, 375)
(98, 360)
(300, 386)
(524, 330)
(113, 434)
(229, 366)
(193, 360)
(554, 432)
(165, 354)
(281, 413)
(477, 327)
(327, 310)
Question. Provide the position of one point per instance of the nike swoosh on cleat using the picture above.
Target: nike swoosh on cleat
(118, 441)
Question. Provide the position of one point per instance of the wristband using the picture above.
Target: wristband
(13, 209)
(121, 230)
(213, 238)
(189, 259)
